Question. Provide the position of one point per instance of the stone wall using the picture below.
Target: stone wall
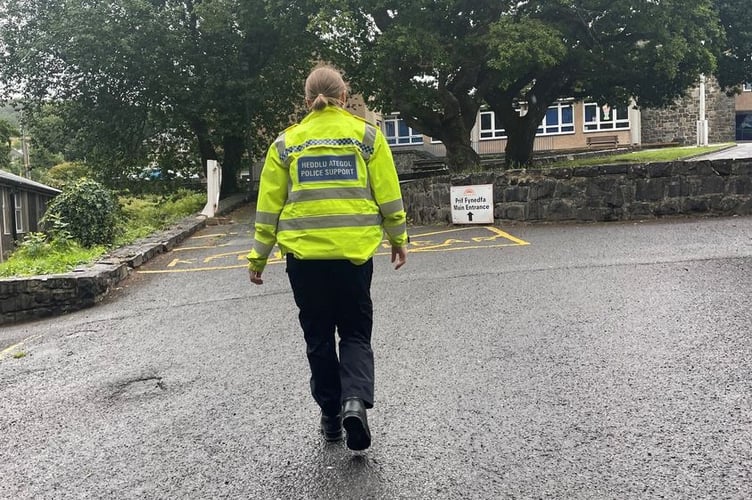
(29, 298)
(595, 193)
(678, 123)
(35, 297)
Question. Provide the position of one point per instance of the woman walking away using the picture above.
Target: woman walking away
(328, 194)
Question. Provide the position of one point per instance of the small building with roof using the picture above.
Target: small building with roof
(23, 202)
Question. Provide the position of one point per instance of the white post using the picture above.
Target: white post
(25, 154)
(702, 123)
(635, 123)
(213, 183)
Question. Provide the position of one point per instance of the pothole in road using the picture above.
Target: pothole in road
(141, 387)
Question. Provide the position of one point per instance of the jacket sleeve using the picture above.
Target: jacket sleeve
(271, 199)
(386, 191)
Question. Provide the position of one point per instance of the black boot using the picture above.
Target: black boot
(356, 424)
(331, 427)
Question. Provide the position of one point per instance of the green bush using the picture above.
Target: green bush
(89, 211)
(64, 174)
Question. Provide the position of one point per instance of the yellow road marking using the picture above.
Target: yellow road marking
(446, 231)
(507, 235)
(439, 248)
(205, 247)
(415, 246)
(196, 269)
(210, 235)
(14, 347)
(220, 255)
(175, 262)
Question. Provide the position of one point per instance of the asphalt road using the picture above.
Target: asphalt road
(597, 361)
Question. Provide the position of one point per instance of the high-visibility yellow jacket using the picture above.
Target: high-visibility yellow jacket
(328, 190)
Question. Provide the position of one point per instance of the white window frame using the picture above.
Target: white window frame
(411, 139)
(616, 122)
(561, 128)
(19, 213)
(747, 87)
(489, 134)
(5, 205)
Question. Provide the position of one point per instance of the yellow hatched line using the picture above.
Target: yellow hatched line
(205, 247)
(197, 269)
(445, 231)
(17, 346)
(440, 247)
(202, 236)
(507, 235)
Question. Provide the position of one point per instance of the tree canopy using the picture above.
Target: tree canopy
(437, 61)
(136, 82)
(7, 131)
(139, 79)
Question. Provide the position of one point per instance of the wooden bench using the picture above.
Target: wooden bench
(602, 141)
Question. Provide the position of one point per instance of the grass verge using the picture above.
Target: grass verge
(40, 254)
(642, 156)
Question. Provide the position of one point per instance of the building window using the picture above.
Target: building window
(19, 212)
(605, 117)
(5, 205)
(744, 126)
(559, 119)
(489, 128)
(747, 87)
(398, 133)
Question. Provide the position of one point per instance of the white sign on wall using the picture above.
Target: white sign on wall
(472, 204)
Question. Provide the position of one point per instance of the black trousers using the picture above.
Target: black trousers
(335, 295)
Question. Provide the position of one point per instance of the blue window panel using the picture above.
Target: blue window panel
(552, 116)
(567, 115)
(486, 122)
(591, 113)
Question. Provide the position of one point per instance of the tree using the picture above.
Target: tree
(7, 131)
(141, 72)
(420, 58)
(607, 51)
(735, 59)
(437, 61)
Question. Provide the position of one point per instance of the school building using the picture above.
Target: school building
(582, 125)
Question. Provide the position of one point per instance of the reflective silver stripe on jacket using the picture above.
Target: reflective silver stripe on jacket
(329, 221)
(369, 140)
(395, 231)
(280, 145)
(365, 146)
(269, 218)
(261, 248)
(391, 207)
(354, 193)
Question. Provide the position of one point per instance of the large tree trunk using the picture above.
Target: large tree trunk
(520, 141)
(234, 147)
(460, 155)
(205, 146)
(454, 133)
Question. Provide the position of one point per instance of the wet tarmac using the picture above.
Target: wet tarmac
(603, 361)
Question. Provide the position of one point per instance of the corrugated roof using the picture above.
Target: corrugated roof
(16, 180)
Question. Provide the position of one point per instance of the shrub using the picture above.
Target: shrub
(89, 211)
(64, 174)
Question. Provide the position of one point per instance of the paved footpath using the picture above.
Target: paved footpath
(594, 361)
